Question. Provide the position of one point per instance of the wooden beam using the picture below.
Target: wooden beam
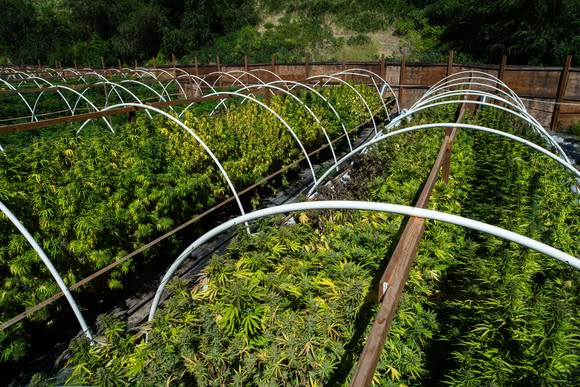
(9, 129)
(561, 91)
(393, 280)
(450, 63)
(502, 66)
(382, 72)
(402, 74)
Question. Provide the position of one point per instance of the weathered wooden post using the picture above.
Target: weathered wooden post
(561, 91)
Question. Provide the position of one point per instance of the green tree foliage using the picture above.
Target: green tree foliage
(531, 32)
(85, 30)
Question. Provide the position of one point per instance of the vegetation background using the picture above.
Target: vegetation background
(536, 32)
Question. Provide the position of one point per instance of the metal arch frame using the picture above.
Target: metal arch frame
(368, 73)
(73, 71)
(15, 73)
(268, 72)
(11, 87)
(113, 71)
(352, 88)
(47, 262)
(166, 86)
(51, 71)
(114, 87)
(286, 92)
(362, 206)
(96, 74)
(128, 70)
(144, 71)
(174, 79)
(524, 113)
(244, 86)
(484, 76)
(192, 133)
(445, 125)
(455, 93)
(313, 90)
(78, 95)
(35, 79)
(345, 72)
(161, 98)
(59, 75)
(195, 78)
(452, 79)
(161, 71)
(246, 73)
(124, 71)
(50, 84)
(180, 70)
(220, 74)
(453, 87)
(288, 127)
(200, 79)
(481, 103)
(77, 73)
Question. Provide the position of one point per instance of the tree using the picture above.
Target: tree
(16, 29)
(538, 32)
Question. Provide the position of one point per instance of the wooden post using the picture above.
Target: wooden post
(273, 65)
(561, 91)
(119, 64)
(402, 74)
(246, 68)
(219, 68)
(75, 64)
(135, 64)
(393, 280)
(382, 72)
(450, 63)
(449, 137)
(39, 64)
(502, 65)
(103, 64)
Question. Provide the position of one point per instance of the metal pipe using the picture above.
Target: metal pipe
(362, 206)
(50, 267)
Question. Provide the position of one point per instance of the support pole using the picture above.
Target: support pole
(393, 280)
(449, 63)
(402, 74)
(561, 91)
(382, 71)
(502, 66)
(273, 65)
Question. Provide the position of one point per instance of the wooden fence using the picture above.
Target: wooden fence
(551, 94)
